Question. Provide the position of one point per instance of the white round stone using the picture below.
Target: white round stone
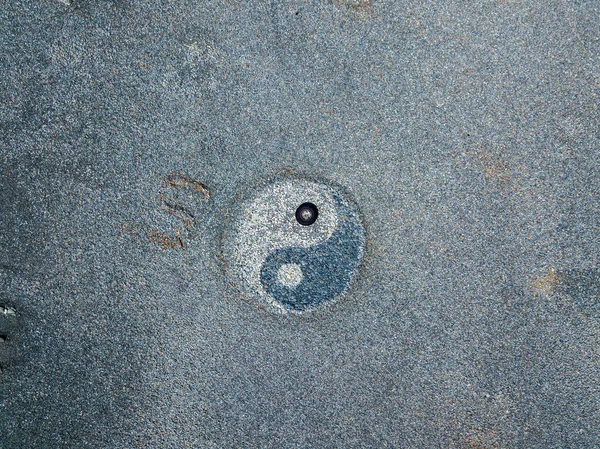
(290, 275)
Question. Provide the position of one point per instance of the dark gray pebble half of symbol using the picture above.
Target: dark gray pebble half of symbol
(327, 268)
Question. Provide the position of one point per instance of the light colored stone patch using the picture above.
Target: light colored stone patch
(547, 283)
(290, 275)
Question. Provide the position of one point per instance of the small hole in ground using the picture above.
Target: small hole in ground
(307, 214)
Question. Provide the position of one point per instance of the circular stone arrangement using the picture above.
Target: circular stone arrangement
(294, 244)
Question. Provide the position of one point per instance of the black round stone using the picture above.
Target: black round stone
(307, 214)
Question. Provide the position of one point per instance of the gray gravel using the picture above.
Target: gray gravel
(468, 134)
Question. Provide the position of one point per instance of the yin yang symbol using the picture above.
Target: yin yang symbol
(294, 244)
